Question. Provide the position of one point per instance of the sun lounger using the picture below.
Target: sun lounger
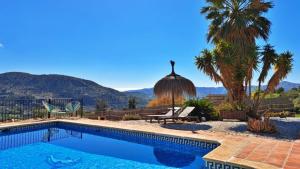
(183, 115)
(72, 107)
(168, 114)
(53, 109)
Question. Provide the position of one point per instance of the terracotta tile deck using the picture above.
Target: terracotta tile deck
(246, 151)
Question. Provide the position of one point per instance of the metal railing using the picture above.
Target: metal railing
(22, 109)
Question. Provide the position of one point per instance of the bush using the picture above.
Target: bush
(296, 102)
(101, 105)
(215, 115)
(203, 108)
(131, 117)
(39, 112)
(225, 107)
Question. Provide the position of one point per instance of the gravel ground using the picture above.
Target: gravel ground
(287, 129)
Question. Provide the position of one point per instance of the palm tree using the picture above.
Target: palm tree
(268, 59)
(238, 23)
(218, 64)
(282, 64)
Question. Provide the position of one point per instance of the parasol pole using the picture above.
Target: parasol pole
(173, 103)
(173, 99)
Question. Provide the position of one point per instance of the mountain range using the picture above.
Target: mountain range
(204, 91)
(201, 91)
(25, 85)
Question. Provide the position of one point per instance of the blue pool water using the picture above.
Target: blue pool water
(62, 145)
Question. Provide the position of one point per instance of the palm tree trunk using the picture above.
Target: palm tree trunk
(250, 92)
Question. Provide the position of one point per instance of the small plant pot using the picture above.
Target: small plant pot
(260, 126)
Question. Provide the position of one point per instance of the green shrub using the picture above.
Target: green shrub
(131, 117)
(296, 102)
(39, 112)
(215, 115)
(132, 103)
(272, 95)
(227, 106)
(203, 108)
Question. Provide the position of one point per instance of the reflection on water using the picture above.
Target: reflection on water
(62, 161)
(173, 158)
(46, 135)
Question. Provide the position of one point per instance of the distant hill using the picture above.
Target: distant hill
(147, 92)
(204, 91)
(288, 85)
(24, 85)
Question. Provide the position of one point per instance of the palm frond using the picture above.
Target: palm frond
(237, 21)
(283, 67)
(206, 63)
(268, 59)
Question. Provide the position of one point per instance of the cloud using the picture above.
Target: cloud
(123, 89)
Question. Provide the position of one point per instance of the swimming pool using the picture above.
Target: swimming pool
(67, 145)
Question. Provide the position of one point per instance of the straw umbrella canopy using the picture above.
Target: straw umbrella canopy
(174, 85)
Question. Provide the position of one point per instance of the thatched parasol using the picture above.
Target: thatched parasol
(174, 85)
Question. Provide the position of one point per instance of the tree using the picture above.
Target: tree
(220, 65)
(280, 90)
(101, 105)
(282, 64)
(237, 24)
(132, 103)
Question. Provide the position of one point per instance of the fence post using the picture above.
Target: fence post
(49, 115)
(81, 107)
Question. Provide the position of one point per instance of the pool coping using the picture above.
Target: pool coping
(221, 157)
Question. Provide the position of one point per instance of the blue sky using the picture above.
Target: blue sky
(121, 44)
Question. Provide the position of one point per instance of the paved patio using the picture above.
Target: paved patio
(238, 149)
